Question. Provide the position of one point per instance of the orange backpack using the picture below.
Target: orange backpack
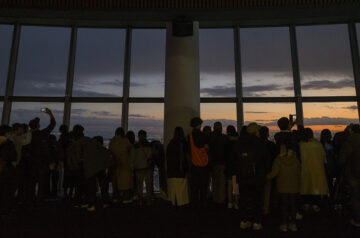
(199, 156)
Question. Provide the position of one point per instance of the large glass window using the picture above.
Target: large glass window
(325, 61)
(267, 114)
(266, 62)
(23, 112)
(98, 119)
(334, 116)
(147, 78)
(217, 68)
(99, 66)
(6, 32)
(222, 112)
(43, 61)
(148, 117)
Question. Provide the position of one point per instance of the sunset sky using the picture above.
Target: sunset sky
(324, 58)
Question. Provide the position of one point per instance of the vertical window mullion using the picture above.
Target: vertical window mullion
(11, 74)
(70, 76)
(238, 79)
(126, 84)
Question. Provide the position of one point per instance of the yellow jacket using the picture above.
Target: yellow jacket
(313, 177)
(286, 168)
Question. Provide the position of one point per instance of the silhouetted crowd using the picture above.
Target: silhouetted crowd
(293, 175)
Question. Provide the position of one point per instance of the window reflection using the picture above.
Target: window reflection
(6, 32)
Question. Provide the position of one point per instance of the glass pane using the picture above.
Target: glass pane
(147, 63)
(148, 117)
(217, 67)
(43, 61)
(334, 116)
(99, 66)
(6, 32)
(267, 114)
(223, 112)
(325, 61)
(266, 62)
(23, 112)
(98, 119)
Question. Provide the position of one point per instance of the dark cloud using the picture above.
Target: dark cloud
(256, 112)
(105, 113)
(137, 116)
(329, 121)
(223, 91)
(327, 84)
(351, 107)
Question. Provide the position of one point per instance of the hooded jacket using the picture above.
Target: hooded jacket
(287, 169)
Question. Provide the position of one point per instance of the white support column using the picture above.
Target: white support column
(182, 81)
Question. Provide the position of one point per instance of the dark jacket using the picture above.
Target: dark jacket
(40, 147)
(254, 148)
(230, 160)
(7, 156)
(200, 139)
(218, 147)
(177, 159)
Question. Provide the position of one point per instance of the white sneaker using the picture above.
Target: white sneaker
(127, 201)
(230, 205)
(298, 216)
(292, 227)
(84, 205)
(257, 226)
(316, 208)
(245, 224)
(106, 205)
(283, 228)
(354, 223)
(91, 209)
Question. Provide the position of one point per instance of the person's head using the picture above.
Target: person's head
(119, 132)
(5, 130)
(207, 130)
(309, 134)
(253, 129)
(356, 128)
(179, 133)
(243, 131)
(100, 139)
(325, 136)
(231, 131)
(348, 128)
(34, 124)
(283, 123)
(218, 127)
(18, 129)
(142, 135)
(64, 129)
(264, 132)
(196, 122)
(78, 131)
(131, 136)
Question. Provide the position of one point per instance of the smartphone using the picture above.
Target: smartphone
(42, 109)
(292, 117)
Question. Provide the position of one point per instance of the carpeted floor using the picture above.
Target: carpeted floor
(56, 219)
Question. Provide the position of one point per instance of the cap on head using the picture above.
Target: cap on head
(253, 128)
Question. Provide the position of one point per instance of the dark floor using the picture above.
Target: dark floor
(159, 220)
